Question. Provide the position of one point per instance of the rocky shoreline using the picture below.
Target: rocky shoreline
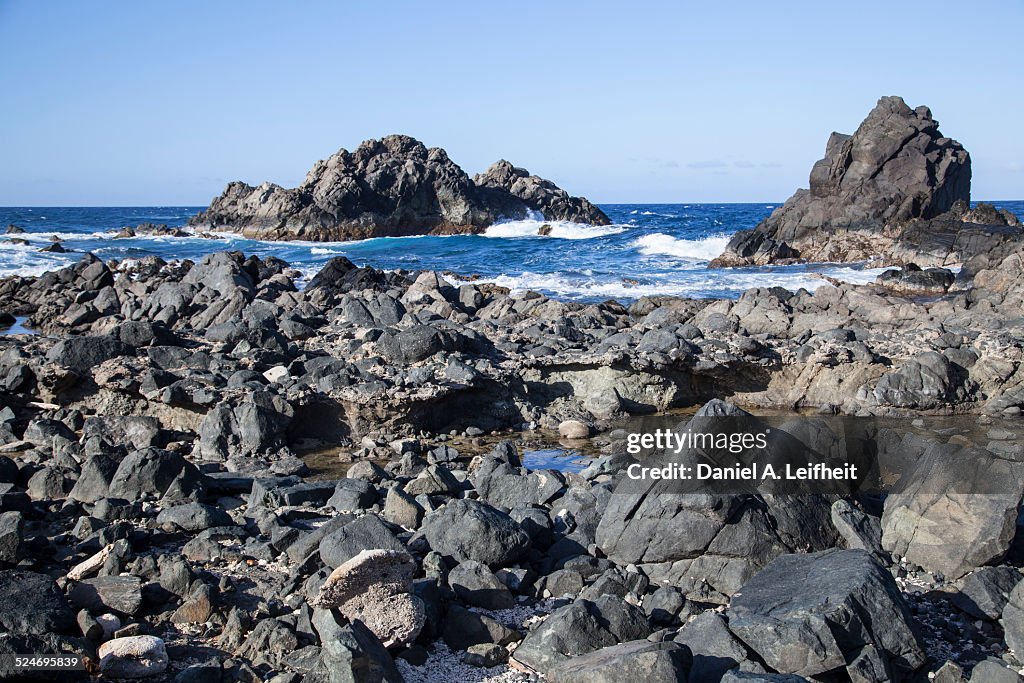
(158, 515)
(154, 488)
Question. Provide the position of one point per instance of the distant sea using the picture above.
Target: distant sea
(649, 249)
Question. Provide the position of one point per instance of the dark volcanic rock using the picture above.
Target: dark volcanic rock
(470, 530)
(537, 194)
(812, 613)
(579, 628)
(83, 353)
(896, 167)
(390, 187)
(33, 604)
(637, 660)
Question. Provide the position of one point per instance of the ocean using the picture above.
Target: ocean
(649, 249)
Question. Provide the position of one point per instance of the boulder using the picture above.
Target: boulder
(984, 593)
(352, 654)
(476, 585)
(471, 530)
(33, 604)
(365, 533)
(807, 614)
(956, 511)
(118, 593)
(81, 354)
(578, 628)
(11, 532)
(192, 517)
(637, 660)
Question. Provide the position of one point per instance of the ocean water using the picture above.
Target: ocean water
(649, 249)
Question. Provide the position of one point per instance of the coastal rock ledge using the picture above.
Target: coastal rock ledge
(391, 187)
(896, 191)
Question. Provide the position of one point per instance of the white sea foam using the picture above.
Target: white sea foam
(559, 229)
(660, 244)
(711, 282)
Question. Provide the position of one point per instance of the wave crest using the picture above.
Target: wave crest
(559, 229)
(660, 244)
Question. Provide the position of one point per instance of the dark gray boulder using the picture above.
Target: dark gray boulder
(985, 592)
(715, 650)
(471, 530)
(477, 585)
(637, 660)
(1012, 618)
(353, 655)
(33, 604)
(81, 354)
(366, 533)
(578, 628)
(957, 510)
(152, 472)
(193, 517)
(118, 593)
(12, 527)
(812, 613)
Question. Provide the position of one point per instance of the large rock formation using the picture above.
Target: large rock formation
(876, 194)
(391, 187)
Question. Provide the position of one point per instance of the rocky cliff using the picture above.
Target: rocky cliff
(395, 186)
(874, 195)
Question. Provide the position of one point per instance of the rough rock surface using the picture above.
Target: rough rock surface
(391, 187)
(810, 614)
(876, 194)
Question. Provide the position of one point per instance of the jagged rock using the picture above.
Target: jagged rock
(812, 613)
(578, 628)
(366, 533)
(353, 655)
(11, 532)
(896, 167)
(463, 629)
(985, 592)
(537, 194)
(153, 472)
(715, 650)
(390, 187)
(118, 593)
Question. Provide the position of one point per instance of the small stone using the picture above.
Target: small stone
(573, 429)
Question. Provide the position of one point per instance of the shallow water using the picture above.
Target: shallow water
(18, 327)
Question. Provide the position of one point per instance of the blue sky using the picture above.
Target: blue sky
(138, 103)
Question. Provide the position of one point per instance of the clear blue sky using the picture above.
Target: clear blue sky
(138, 103)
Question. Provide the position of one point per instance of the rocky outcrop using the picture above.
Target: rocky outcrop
(895, 190)
(391, 187)
(503, 184)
